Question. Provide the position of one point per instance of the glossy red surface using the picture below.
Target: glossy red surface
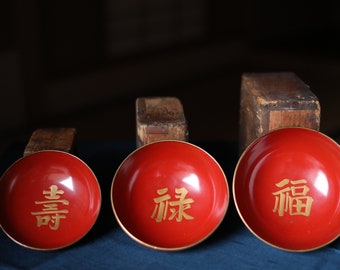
(49, 200)
(286, 189)
(169, 195)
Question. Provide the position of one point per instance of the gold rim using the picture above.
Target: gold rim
(82, 236)
(155, 247)
(247, 149)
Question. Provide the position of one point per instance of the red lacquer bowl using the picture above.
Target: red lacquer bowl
(49, 200)
(169, 195)
(286, 189)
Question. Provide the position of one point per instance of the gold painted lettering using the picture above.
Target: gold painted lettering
(177, 208)
(292, 198)
(50, 214)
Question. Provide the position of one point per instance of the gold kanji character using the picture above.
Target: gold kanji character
(176, 207)
(292, 198)
(50, 214)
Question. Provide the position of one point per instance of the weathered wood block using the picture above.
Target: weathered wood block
(62, 139)
(275, 100)
(160, 118)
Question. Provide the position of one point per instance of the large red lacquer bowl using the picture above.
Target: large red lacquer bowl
(169, 195)
(49, 200)
(287, 189)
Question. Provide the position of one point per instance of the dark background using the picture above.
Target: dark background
(83, 63)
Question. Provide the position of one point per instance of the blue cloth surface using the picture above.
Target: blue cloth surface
(107, 246)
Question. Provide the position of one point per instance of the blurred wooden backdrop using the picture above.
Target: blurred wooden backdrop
(83, 63)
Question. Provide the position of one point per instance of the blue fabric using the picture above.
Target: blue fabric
(106, 246)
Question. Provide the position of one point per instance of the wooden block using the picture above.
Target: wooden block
(61, 139)
(275, 100)
(160, 118)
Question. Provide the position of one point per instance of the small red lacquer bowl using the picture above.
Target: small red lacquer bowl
(286, 189)
(49, 200)
(169, 195)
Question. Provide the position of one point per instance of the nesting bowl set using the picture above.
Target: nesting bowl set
(171, 195)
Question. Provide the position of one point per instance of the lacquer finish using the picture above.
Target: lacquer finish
(169, 195)
(286, 189)
(49, 200)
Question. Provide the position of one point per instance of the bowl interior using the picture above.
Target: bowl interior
(169, 195)
(48, 200)
(286, 189)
